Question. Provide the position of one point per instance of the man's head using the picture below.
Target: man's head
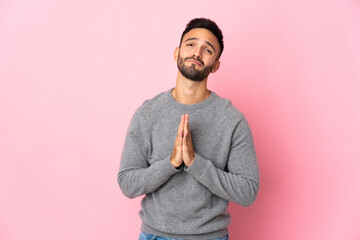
(209, 25)
(200, 48)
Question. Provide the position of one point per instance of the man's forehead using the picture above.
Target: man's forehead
(202, 34)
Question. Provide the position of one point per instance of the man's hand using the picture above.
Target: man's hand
(183, 149)
(176, 158)
(188, 149)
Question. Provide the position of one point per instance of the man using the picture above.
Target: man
(189, 150)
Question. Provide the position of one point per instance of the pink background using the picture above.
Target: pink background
(73, 73)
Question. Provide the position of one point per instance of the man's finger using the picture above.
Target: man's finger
(181, 127)
(184, 145)
(180, 124)
(185, 127)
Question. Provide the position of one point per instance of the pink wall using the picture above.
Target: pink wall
(73, 72)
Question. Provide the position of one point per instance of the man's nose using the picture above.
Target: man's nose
(197, 53)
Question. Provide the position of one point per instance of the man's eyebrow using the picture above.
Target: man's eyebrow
(195, 38)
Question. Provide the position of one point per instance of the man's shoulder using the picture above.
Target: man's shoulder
(153, 105)
(157, 99)
(228, 110)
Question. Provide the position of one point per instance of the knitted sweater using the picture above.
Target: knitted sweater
(189, 202)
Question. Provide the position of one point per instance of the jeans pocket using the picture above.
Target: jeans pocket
(143, 236)
(146, 236)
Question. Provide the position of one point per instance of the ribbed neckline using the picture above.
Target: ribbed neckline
(190, 106)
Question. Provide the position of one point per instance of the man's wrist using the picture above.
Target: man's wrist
(174, 164)
(191, 161)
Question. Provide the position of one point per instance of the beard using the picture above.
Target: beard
(191, 72)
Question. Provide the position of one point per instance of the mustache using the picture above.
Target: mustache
(202, 63)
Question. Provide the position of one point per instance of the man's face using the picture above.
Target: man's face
(197, 55)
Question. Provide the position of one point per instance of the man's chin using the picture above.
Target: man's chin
(192, 77)
(195, 78)
(191, 73)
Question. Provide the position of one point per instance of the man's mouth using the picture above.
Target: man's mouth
(197, 62)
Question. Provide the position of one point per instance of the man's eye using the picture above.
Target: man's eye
(190, 44)
(208, 51)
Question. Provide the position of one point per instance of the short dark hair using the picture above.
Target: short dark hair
(207, 24)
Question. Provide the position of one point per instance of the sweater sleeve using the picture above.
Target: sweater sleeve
(136, 176)
(239, 182)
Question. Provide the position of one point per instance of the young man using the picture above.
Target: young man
(189, 150)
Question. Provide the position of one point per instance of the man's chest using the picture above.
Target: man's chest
(211, 140)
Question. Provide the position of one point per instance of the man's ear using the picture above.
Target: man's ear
(216, 66)
(176, 53)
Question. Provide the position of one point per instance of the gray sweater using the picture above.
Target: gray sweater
(189, 203)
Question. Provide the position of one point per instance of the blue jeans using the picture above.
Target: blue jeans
(146, 236)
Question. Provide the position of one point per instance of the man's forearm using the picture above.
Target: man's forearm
(235, 187)
(136, 181)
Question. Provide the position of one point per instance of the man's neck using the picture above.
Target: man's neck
(189, 92)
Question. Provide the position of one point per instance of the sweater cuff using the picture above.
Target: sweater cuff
(197, 166)
(167, 168)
